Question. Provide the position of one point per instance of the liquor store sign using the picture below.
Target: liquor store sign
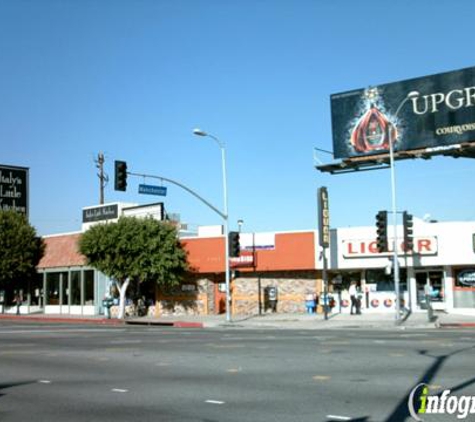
(429, 112)
(357, 248)
(14, 189)
(323, 217)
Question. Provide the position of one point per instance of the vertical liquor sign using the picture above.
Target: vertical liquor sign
(324, 240)
(14, 189)
(323, 217)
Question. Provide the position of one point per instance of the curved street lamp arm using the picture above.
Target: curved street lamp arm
(221, 214)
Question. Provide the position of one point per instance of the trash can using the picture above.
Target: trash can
(310, 303)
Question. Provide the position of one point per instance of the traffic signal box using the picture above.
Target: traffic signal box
(234, 245)
(120, 179)
(382, 231)
(408, 224)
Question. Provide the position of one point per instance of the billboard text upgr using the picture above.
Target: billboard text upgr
(427, 112)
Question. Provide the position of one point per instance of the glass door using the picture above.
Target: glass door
(421, 281)
(433, 278)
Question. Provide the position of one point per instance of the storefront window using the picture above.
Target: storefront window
(464, 288)
(89, 287)
(75, 287)
(52, 288)
(378, 280)
(436, 281)
(342, 281)
(65, 289)
(36, 290)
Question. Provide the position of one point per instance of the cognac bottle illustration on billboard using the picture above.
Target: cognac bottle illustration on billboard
(373, 132)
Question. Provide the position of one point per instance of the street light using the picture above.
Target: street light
(409, 96)
(199, 132)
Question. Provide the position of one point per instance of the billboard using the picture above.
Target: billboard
(434, 111)
(14, 189)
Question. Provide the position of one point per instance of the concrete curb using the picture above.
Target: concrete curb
(457, 325)
(99, 321)
(73, 320)
(176, 324)
(275, 324)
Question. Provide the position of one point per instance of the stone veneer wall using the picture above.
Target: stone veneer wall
(247, 293)
(292, 287)
(190, 298)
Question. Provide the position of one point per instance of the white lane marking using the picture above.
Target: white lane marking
(119, 390)
(339, 418)
(125, 341)
(214, 402)
(44, 381)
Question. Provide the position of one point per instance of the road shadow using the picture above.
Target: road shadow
(7, 385)
(401, 411)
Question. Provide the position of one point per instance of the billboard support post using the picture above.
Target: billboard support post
(394, 212)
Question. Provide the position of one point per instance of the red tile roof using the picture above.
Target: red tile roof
(62, 251)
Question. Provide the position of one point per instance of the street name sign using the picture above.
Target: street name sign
(153, 190)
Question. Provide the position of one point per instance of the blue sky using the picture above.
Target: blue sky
(132, 78)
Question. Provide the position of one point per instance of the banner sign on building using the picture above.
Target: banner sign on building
(14, 189)
(156, 211)
(323, 218)
(100, 213)
(433, 112)
(257, 241)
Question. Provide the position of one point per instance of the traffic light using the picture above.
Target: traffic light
(234, 246)
(382, 231)
(408, 231)
(120, 176)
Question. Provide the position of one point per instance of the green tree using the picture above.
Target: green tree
(20, 250)
(135, 250)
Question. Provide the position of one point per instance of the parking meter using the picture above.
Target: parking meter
(270, 296)
(107, 304)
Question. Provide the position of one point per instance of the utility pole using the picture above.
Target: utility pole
(103, 178)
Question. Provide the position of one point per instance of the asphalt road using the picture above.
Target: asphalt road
(88, 373)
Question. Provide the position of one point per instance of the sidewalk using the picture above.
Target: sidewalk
(270, 321)
(316, 322)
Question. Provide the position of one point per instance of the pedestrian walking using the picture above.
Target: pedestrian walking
(428, 296)
(18, 301)
(353, 298)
